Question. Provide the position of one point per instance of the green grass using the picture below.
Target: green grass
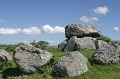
(46, 72)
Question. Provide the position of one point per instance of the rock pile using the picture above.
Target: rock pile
(79, 37)
(5, 56)
(71, 65)
(28, 58)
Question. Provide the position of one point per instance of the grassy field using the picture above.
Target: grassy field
(46, 72)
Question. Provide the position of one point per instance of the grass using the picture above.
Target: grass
(46, 72)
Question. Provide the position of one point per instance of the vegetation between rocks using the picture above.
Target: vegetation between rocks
(47, 71)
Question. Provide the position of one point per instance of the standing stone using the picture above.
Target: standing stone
(62, 45)
(80, 30)
(71, 45)
(28, 58)
(72, 65)
(86, 43)
(5, 56)
(105, 53)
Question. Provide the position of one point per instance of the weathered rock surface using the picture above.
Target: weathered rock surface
(80, 30)
(75, 44)
(28, 58)
(62, 45)
(105, 53)
(71, 44)
(86, 43)
(73, 64)
(116, 42)
(5, 56)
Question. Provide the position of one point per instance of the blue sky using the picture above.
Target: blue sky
(27, 20)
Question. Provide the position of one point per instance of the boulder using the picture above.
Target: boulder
(86, 43)
(5, 56)
(75, 44)
(71, 65)
(62, 45)
(71, 44)
(105, 53)
(28, 58)
(80, 30)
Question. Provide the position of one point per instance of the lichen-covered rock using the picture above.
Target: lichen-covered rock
(5, 56)
(62, 45)
(80, 30)
(71, 65)
(105, 53)
(28, 58)
(75, 44)
(86, 43)
(71, 44)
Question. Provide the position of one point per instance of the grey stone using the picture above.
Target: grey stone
(105, 53)
(86, 43)
(75, 44)
(80, 30)
(62, 45)
(5, 56)
(28, 58)
(116, 42)
(71, 44)
(72, 65)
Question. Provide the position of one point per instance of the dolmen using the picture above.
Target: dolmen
(79, 37)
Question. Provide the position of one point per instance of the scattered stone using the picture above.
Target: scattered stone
(5, 56)
(28, 58)
(105, 53)
(80, 30)
(72, 65)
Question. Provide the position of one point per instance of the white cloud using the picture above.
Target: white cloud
(101, 10)
(32, 31)
(116, 29)
(27, 31)
(9, 31)
(53, 30)
(88, 19)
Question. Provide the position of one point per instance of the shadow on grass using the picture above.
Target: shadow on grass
(11, 72)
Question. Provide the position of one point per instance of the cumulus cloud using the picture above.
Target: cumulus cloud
(88, 19)
(116, 29)
(101, 10)
(9, 31)
(53, 30)
(27, 31)
(32, 31)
